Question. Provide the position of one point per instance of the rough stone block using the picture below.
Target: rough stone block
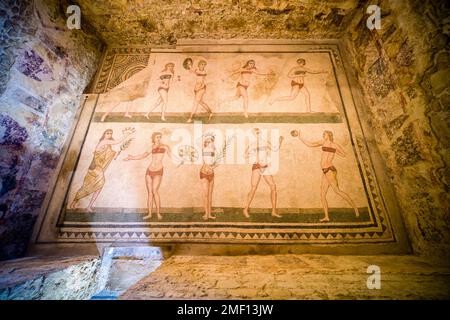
(379, 81)
(440, 80)
(49, 278)
(407, 147)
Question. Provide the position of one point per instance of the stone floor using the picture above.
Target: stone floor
(292, 277)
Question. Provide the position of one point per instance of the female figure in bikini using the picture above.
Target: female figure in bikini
(166, 76)
(154, 173)
(329, 171)
(297, 74)
(259, 150)
(244, 82)
(200, 86)
(207, 173)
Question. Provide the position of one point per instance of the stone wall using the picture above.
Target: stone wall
(44, 68)
(403, 69)
(60, 278)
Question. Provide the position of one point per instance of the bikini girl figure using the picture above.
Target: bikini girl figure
(329, 171)
(244, 82)
(259, 150)
(207, 173)
(154, 173)
(200, 86)
(297, 74)
(165, 78)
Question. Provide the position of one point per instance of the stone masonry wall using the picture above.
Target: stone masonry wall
(44, 68)
(49, 278)
(404, 71)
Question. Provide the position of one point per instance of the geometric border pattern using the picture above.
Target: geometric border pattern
(271, 237)
(118, 65)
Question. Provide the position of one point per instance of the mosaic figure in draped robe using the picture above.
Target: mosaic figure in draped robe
(298, 85)
(200, 86)
(166, 78)
(243, 84)
(259, 150)
(154, 173)
(95, 177)
(329, 171)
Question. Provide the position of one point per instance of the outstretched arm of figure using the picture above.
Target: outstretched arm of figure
(310, 143)
(315, 71)
(255, 71)
(232, 74)
(339, 150)
(137, 157)
(116, 141)
(126, 133)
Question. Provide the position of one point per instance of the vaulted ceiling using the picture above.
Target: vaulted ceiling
(161, 22)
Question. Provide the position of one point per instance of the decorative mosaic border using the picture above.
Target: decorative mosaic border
(223, 236)
(118, 65)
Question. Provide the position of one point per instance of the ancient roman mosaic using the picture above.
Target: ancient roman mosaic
(223, 144)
